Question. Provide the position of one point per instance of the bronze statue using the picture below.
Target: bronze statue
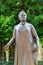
(24, 34)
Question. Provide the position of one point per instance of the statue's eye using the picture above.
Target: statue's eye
(23, 15)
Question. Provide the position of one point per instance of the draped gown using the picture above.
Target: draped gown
(23, 49)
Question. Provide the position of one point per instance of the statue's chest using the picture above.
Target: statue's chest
(24, 30)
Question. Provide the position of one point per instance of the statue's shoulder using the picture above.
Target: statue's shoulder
(17, 26)
(29, 24)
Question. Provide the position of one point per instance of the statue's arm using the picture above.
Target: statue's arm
(34, 33)
(13, 37)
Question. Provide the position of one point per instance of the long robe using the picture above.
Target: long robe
(23, 49)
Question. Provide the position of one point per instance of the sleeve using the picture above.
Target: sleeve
(13, 37)
(14, 33)
(34, 34)
(33, 31)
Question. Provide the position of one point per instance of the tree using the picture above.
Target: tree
(9, 10)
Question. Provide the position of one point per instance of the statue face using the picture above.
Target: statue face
(22, 15)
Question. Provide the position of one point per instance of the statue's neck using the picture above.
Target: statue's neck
(23, 22)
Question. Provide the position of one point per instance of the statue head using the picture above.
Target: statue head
(22, 15)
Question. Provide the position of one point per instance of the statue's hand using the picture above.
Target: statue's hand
(35, 49)
(6, 47)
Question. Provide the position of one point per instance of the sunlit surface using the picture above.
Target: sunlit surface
(7, 55)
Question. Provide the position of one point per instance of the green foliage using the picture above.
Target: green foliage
(6, 28)
(41, 42)
(9, 10)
